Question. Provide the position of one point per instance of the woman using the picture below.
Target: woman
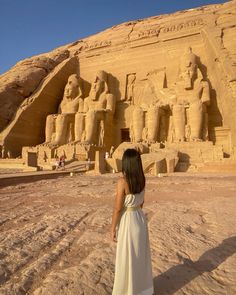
(133, 274)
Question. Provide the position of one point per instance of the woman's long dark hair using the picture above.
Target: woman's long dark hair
(133, 171)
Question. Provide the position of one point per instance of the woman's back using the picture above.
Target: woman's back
(134, 200)
(133, 273)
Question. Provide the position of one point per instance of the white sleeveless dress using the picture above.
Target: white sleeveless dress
(133, 272)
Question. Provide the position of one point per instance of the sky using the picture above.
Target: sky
(31, 27)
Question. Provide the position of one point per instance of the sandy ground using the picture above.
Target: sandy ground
(55, 235)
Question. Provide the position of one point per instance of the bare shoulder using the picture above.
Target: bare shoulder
(122, 185)
(121, 182)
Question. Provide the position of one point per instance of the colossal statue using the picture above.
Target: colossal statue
(60, 126)
(148, 111)
(192, 96)
(97, 115)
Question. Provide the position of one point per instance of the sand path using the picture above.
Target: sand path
(54, 235)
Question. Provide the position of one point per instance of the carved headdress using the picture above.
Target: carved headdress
(103, 76)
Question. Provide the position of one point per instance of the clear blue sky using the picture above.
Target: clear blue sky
(31, 27)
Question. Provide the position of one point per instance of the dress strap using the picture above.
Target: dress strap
(132, 208)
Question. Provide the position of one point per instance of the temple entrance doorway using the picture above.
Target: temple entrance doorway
(125, 135)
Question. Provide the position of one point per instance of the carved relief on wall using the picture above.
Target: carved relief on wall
(181, 26)
(129, 90)
(86, 46)
(164, 29)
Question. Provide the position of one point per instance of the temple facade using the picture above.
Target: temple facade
(166, 83)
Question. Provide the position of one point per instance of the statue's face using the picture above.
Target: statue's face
(71, 89)
(96, 89)
(188, 68)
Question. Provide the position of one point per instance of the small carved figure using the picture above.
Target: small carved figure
(131, 133)
(130, 88)
(112, 151)
(101, 134)
(83, 137)
(187, 132)
(3, 152)
(145, 134)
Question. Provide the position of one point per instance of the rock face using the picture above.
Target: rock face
(23, 79)
(169, 79)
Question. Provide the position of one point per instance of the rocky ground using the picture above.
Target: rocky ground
(55, 235)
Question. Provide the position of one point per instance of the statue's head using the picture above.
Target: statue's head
(72, 87)
(99, 85)
(188, 67)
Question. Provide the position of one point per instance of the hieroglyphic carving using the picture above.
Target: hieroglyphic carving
(156, 31)
(94, 45)
(181, 26)
(99, 44)
(149, 33)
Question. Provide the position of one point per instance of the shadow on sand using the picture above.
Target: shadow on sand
(177, 276)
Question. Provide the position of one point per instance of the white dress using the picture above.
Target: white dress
(133, 272)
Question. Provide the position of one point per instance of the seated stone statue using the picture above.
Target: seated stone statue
(60, 126)
(192, 98)
(148, 111)
(97, 116)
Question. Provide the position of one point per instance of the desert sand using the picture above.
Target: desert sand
(55, 235)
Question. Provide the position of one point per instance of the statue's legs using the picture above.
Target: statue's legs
(79, 126)
(195, 120)
(179, 122)
(90, 126)
(153, 119)
(92, 122)
(138, 123)
(50, 127)
(62, 128)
